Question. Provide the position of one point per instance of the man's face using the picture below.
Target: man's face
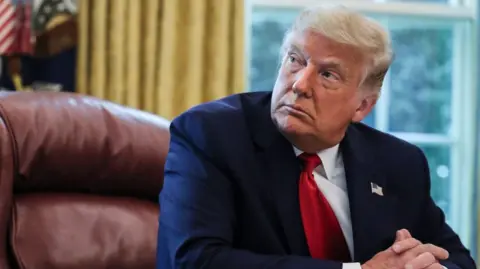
(316, 94)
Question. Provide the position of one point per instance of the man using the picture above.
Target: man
(292, 180)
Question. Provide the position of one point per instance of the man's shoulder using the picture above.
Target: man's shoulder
(385, 144)
(223, 122)
(227, 108)
(402, 163)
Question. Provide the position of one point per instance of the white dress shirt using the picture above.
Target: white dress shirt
(331, 180)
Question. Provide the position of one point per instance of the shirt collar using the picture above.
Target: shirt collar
(328, 156)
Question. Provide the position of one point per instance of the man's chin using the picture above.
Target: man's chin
(290, 125)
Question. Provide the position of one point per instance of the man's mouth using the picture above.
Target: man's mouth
(295, 109)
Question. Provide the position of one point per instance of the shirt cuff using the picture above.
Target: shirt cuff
(353, 265)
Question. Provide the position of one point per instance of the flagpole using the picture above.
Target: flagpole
(23, 43)
(14, 66)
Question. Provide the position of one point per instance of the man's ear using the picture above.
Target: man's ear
(366, 105)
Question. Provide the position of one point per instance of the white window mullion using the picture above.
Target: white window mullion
(424, 139)
(463, 132)
(455, 132)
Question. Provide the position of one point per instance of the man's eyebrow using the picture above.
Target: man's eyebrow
(332, 63)
(294, 48)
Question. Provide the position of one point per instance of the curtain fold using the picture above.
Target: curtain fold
(161, 56)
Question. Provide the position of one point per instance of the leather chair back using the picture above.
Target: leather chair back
(79, 181)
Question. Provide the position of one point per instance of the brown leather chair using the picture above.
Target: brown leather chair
(79, 181)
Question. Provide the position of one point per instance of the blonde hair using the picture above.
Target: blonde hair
(349, 27)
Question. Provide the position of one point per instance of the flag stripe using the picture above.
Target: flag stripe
(7, 32)
(6, 15)
(7, 26)
(6, 46)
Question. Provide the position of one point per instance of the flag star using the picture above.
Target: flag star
(61, 7)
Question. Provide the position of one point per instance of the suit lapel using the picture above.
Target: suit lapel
(281, 174)
(372, 214)
(284, 169)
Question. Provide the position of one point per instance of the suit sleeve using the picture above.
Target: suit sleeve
(435, 230)
(197, 216)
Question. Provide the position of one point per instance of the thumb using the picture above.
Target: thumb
(406, 234)
(402, 235)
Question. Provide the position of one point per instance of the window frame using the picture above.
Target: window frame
(462, 140)
(465, 9)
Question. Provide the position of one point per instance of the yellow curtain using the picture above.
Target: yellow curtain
(162, 56)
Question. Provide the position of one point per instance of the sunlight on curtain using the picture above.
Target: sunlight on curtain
(161, 56)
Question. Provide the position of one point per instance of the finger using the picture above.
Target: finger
(406, 233)
(401, 235)
(404, 245)
(438, 252)
(422, 261)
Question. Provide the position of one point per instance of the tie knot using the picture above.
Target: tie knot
(310, 162)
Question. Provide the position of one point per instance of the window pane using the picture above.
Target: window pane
(439, 161)
(268, 27)
(421, 77)
(370, 118)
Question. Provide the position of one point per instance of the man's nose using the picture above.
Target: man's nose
(303, 82)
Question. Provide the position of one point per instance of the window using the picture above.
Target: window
(429, 94)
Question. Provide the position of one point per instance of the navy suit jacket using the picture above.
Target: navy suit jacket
(230, 197)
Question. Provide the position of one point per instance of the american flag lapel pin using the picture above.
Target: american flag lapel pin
(376, 189)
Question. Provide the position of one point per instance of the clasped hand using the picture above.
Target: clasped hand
(408, 253)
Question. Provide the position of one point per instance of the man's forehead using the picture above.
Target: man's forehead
(322, 48)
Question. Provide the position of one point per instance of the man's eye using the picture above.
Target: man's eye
(292, 59)
(327, 74)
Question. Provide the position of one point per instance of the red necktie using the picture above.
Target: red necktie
(324, 236)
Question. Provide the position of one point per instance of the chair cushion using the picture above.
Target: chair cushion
(50, 231)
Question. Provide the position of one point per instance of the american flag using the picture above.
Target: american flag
(15, 27)
(7, 26)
